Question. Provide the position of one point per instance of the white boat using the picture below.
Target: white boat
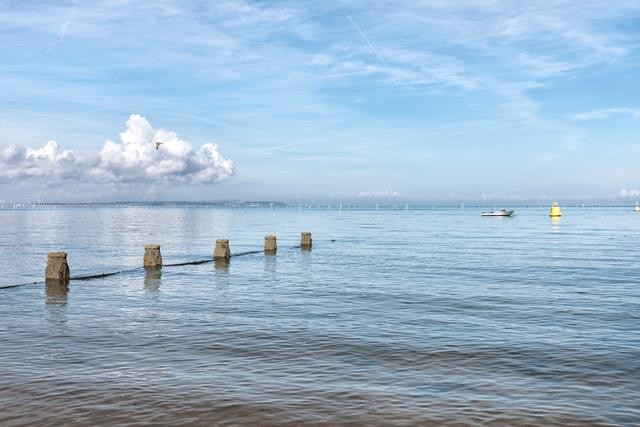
(501, 212)
(637, 208)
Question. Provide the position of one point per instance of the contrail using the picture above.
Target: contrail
(267, 150)
(137, 63)
(373, 48)
(63, 29)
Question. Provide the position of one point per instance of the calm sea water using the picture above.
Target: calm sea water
(403, 317)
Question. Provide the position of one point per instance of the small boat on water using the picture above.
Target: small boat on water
(637, 208)
(501, 212)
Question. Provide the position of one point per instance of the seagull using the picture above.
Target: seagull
(158, 144)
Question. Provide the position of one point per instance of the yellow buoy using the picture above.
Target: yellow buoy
(555, 210)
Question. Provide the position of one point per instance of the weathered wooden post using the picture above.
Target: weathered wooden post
(152, 256)
(305, 240)
(57, 270)
(270, 245)
(222, 251)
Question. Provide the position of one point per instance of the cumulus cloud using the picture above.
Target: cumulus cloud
(48, 161)
(145, 154)
(142, 155)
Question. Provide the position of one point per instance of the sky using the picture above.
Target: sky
(336, 100)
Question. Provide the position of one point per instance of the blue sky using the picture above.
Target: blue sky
(335, 100)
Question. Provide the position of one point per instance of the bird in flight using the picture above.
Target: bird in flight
(158, 144)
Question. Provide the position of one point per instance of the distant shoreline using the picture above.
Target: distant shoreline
(307, 205)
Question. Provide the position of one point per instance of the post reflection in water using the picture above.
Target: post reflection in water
(221, 265)
(306, 265)
(152, 279)
(56, 301)
(56, 292)
(270, 263)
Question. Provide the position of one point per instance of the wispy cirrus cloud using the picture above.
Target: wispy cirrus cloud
(604, 113)
(426, 76)
(434, 45)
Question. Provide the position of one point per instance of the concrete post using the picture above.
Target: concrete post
(270, 244)
(152, 256)
(305, 240)
(222, 251)
(57, 268)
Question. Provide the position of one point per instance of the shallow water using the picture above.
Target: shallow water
(410, 317)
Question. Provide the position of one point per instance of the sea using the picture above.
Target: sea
(398, 316)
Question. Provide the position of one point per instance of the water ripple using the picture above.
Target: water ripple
(405, 319)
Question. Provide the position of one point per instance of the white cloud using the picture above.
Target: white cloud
(542, 66)
(629, 193)
(285, 71)
(47, 162)
(377, 194)
(137, 158)
(604, 113)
